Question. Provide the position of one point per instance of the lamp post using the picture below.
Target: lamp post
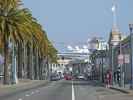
(102, 64)
(112, 63)
(131, 44)
(121, 58)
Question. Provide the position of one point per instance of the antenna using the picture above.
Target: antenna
(114, 13)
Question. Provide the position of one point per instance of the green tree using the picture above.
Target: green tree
(14, 25)
(18, 25)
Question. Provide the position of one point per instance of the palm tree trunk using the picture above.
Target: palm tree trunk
(48, 68)
(6, 61)
(25, 60)
(36, 64)
(44, 68)
(30, 63)
(14, 70)
(40, 67)
(20, 61)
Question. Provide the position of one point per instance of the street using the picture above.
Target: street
(69, 90)
(66, 50)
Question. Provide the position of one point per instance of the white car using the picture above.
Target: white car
(81, 77)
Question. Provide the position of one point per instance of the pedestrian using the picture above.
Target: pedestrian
(115, 77)
(118, 77)
(108, 79)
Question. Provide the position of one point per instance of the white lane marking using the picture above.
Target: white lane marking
(20, 99)
(27, 95)
(73, 94)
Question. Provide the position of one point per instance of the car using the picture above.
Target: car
(54, 77)
(81, 77)
(68, 77)
(61, 75)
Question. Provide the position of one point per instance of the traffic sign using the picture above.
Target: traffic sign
(1, 59)
(120, 59)
(127, 58)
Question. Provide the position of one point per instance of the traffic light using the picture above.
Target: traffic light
(119, 51)
(118, 73)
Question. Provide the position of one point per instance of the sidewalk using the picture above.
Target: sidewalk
(125, 89)
(23, 85)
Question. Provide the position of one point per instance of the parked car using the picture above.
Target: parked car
(68, 77)
(61, 75)
(81, 77)
(54, 77)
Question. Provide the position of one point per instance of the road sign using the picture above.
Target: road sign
(127, 58)
(1, 59)
(120, 59)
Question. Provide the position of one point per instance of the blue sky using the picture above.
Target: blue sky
(74, 21)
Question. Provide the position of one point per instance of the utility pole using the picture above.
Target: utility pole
(131, 44)
(121, 65)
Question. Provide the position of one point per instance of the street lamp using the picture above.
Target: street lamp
(131, 44)
(102, 66)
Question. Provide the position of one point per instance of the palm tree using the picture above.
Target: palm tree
(18, 25)
(40, 42)
(52, 53)
(14, 23)
(1, 45)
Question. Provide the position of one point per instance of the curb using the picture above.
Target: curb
(6, 95)
(121, 90)
(129, 92)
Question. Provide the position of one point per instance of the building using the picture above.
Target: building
(61, 64)
(79, 67)
(124, 48)
(97, 43)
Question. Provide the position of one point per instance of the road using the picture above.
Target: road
(69, 90)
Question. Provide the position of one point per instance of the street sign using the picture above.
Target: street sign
(1, 59)
(120, 59)
(127, 58)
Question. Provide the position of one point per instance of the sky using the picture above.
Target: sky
(72, 22)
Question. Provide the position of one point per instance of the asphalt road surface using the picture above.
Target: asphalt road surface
(69, 90)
